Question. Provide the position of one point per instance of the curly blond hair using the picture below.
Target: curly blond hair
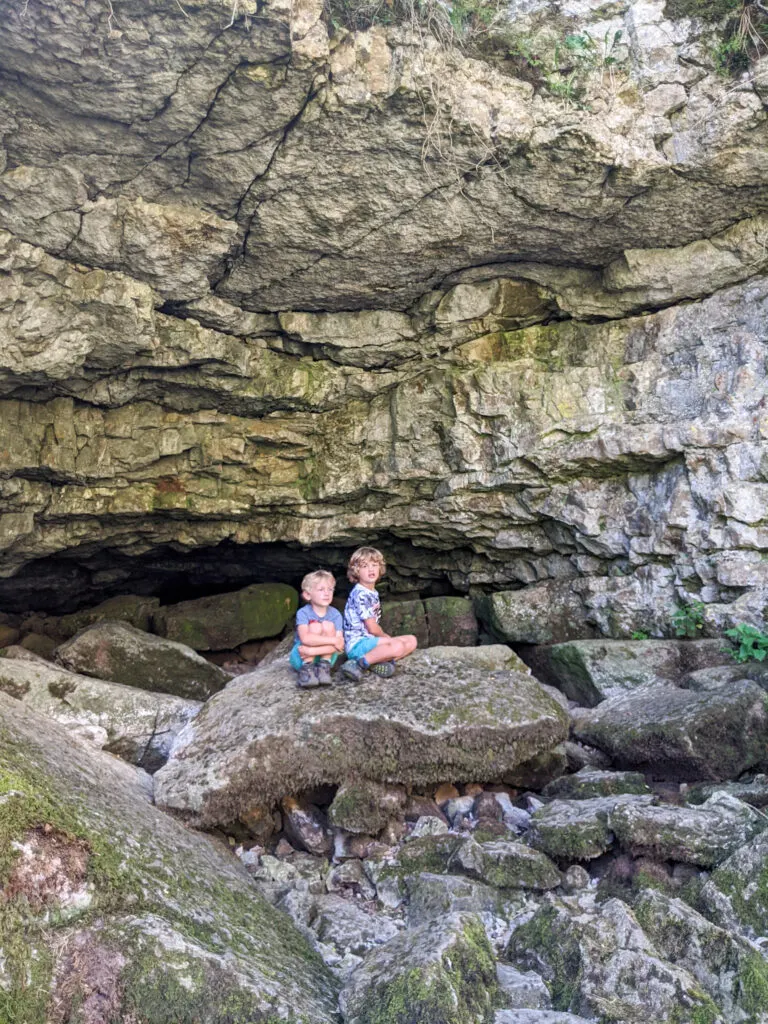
(360, 557)
(315, 577)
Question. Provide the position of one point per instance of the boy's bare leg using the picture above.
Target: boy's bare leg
(392, 649)
(307, 653)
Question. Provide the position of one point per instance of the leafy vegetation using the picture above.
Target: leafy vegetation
(743, 35)
(751, 643)
(564, 67)
(688, 620)
(639, 634)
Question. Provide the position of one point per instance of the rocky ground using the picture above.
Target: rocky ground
(462, 842)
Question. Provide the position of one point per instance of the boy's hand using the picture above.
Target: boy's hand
(340, 642)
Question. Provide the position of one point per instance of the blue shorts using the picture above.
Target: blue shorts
(361, 647)
(295, 661)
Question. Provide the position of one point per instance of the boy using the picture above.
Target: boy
(367, 645)
(318, 640)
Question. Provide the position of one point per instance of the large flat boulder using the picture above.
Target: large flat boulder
(223, 621)
(679, 734)
(736, 893)
(138, 726)
(589, 671)
(122, 654)
(450, 713)
(113, 911)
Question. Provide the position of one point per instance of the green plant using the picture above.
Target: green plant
(750, 642)
(639, 634)
(731, 56)
(564, 67)
(688, 620)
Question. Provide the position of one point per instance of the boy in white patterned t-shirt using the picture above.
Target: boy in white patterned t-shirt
(367, 645)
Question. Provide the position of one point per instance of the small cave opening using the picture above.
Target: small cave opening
(90, 574)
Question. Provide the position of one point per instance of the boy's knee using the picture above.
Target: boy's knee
(327, 629)
(411, 643)
(316, 628)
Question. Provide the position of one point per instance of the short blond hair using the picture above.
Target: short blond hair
(315, 577)
(360, 557)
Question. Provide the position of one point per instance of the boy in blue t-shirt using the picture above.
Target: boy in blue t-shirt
(367, 645)
(318, 639)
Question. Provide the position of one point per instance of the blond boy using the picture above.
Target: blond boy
(367, 645)
(318, 639)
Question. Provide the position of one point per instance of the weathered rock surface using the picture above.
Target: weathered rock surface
(704, 835)
(122, 654)
(137, 726)
(736, 893)
(597, 961)
(366, 807)
(223, 621)
(451, 713)
(679, 734)
(444, 970)
(589, 671)
(590, 782)
(578, 829)
(733, 972)
(98, 914)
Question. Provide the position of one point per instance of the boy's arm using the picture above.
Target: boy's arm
(339, 641)
(374, 628)
(311, 639)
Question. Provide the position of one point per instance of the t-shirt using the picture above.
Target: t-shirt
(362, 604)
(307, 614)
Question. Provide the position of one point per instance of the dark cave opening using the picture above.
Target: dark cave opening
(88, 575)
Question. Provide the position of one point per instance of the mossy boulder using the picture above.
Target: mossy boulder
(131, 608)
(366, 807)
(573, 830)
(450, 713)
(98, 915)
(137, 726)
(590, 671)
(736, 893)
(504, 864)
(405, 617)
(122, 654)
(592, 782)
(544, 613)
(432, 896)
(441, 973)
(223, 621)
(681, 735)
(451, 622)
(597, 961)
(727, 967)
(703, 835)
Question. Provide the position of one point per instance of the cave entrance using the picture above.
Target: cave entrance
(88, 575)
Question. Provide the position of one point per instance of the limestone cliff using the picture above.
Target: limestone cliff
(265, 280)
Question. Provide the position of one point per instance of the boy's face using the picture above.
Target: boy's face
(368, 573)
(320, 593)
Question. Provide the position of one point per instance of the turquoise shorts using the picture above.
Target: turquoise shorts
(296, 662)
(361, 647)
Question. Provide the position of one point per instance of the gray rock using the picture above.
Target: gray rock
(427, 826)
(307, 826)
(589, 671)
(270, 739)
(573, 830)
(122, 654)
(366, 807)
(133, 724)
(728, 968)
(458, 808)
(415, 973)
(595, 958)
(537, 1017)
(575, 878)
(348, 928)
(545, 613)
(522, 990)
(349, 877)
(704, 835)
(752, 791)
(506, 865)
(107, 862)
(677, 734)
(431, 897)
(588, 783)
(735, 895)
(579, 756)
(223, 621)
